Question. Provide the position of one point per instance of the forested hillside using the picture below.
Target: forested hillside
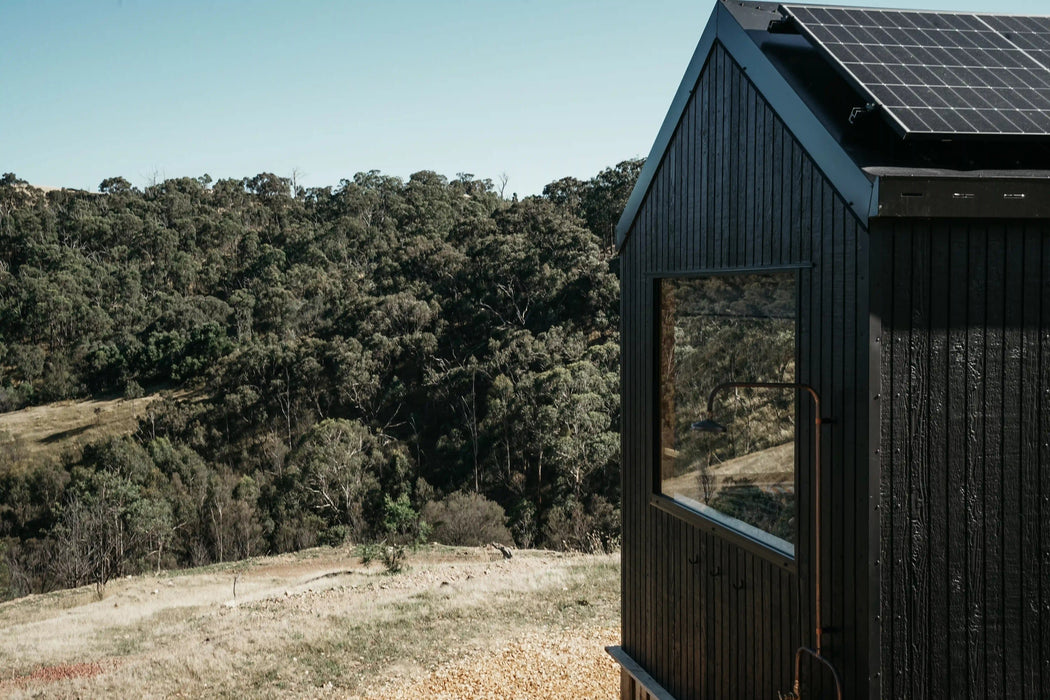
(362, 362)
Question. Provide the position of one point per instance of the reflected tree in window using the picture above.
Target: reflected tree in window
(720, 329)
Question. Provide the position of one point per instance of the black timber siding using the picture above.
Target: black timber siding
(964, 458)
(706, 618)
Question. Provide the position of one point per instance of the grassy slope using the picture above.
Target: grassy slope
(312, 624)
(41, 433)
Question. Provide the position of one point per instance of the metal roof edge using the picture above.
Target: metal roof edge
(663, 138)
(962, 196)
(844, 174)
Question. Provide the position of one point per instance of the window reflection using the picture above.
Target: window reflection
(720, 329)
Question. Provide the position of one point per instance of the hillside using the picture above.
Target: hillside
(356, 355)
(456, 622)
(38, 434)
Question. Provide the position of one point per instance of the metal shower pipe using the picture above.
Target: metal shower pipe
(710, 425)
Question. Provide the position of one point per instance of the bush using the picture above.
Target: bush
(334, 536)
(13, 453)
(574, 528)
(133, 390)
(6, 589)
(394, 558)
(393, 555)
(369, 553)
(467, 519)
(523, 524)
(402, 523)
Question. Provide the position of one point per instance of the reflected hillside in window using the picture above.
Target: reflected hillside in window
(724, 329)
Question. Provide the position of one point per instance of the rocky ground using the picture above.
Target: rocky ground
(458, 623)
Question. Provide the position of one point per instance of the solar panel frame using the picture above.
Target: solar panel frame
(939, 74)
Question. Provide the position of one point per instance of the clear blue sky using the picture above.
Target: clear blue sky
(538, 89)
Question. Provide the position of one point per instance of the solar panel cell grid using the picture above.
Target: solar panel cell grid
(941, 74)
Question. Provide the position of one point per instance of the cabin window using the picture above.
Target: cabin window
(730, 328)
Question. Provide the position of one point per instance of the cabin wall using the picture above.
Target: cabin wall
(704, 617)
(964, 457)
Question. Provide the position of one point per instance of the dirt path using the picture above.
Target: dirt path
(464, 622)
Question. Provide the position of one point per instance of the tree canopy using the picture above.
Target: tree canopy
(341, 347)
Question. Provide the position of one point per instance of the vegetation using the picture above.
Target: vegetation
(467, 519)
(315, 624)
(730, 328)
(353, 353)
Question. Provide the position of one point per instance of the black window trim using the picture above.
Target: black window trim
(668, 505)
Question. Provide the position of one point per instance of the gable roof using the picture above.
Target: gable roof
(814, 101)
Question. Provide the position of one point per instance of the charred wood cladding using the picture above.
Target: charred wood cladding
(900, 533)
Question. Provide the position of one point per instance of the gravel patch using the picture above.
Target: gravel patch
(573, 664)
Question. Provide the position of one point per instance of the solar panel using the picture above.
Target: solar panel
(940, 74)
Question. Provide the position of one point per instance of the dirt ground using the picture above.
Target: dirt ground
(458, 623)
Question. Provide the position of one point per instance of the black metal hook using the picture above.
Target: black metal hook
(695, 559)
(739, 585)
(715, 572)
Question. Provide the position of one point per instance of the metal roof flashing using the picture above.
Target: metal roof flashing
(919, 193)
(737, 26)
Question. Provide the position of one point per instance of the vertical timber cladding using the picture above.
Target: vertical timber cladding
(965, 462)
(735, 190)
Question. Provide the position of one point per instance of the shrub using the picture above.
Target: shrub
(392, 555)
(334, 536)
(394, 558)
(574, 528)
(402, 523)
(133, 390)
(369, 552)
(523, 524)
(467, 519)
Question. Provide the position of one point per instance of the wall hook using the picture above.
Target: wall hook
(739, 585)
(715, 572)
(695, 559)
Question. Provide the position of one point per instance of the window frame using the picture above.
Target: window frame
(677, 509)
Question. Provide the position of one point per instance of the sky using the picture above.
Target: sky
(534, 90)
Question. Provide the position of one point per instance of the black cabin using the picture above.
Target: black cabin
(836, 363)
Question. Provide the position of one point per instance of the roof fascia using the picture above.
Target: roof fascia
(845, 175)
(963, 197)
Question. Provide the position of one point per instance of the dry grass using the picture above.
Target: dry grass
(317, 624)
(40, 433)
(770, 469)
